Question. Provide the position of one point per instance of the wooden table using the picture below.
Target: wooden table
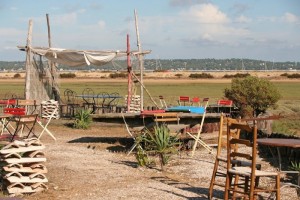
(281, 142)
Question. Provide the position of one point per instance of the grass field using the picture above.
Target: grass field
(289, 104)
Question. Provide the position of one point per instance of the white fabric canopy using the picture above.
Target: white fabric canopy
(75, 58)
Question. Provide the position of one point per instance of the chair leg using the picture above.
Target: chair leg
(213, 178)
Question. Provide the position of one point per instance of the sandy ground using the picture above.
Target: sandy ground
(93, 164)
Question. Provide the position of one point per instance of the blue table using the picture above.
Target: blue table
(189, 109)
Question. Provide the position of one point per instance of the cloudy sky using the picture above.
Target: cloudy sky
(172, 29)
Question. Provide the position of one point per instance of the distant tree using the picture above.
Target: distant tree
(178, 75)
(252, 95)
(17, 75)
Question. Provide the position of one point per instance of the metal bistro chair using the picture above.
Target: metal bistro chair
(71, 102)
(183, 100)
(102, 103)
(113, 101)
(88, 99)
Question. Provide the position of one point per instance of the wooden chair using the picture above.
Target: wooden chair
(250, 186)
(183, 100)
(221, 160)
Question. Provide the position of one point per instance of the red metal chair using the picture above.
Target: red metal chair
(196, 101)
(225, 106)
(184, 100)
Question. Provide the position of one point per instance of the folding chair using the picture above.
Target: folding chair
(22, 122)
(249, 186)
(50, 110)
(131, 135)
(29, 105)
(183, 99)
(197, 138)
(196, 101)
(162, 102)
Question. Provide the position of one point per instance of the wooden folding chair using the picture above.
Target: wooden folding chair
(50, 110)
(30, 105)
(249, 187)
(22, 122)
(197, 138)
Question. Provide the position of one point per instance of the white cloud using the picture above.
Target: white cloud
(13, 8)
(9, 32)
(243, 19)
(290, 18)
(69, 18)
(101, 24)
(206, 13)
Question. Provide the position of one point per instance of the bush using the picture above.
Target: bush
(83, 119)
(118, 75)
(158, 142)
(17, 75)
(293, 76)
(238, 75)
(252, 94)
(178, 75)
(68, 75)
(203, 75)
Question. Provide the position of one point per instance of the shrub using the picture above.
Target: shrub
(202, 75)
(293, 76)
(238, 75)
(17, 75)
(178, 75)
(118, 75)
(83, 119)
(158, 142)
(252, 94)
(68, 75)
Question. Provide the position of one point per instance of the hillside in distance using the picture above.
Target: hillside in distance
(177, 64)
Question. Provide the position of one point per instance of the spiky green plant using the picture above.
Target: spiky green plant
(83, 119)
(295, 166)
(159, 141)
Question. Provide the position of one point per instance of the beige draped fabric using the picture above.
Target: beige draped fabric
(75, 58)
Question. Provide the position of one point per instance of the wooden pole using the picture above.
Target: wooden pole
(129, 75)
(141, 63)
(49, 31)
(28, 64)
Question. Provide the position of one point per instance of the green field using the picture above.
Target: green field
(289, 91)
(288, 106)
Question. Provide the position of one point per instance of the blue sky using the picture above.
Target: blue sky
(172, 29)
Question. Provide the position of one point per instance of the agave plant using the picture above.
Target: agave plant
(83, 119)
(160, 142)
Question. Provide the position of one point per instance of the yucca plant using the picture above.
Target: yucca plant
(83, 119)
(160, 142)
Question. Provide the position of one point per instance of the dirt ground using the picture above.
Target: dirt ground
(93, 164)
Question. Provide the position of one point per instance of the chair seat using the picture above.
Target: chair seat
(246, 171)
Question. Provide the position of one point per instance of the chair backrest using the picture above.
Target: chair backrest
(114, 99)
(234, 153)
(87, 95)
(225, 102)
(195, 101)
(183, 99)
(29, 105)
(222, 142)
(15, 111)
(8, 102)
(70, 96)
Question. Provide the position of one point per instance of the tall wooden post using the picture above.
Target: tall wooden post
(129, 85)
(141, 63)
(28, 64)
